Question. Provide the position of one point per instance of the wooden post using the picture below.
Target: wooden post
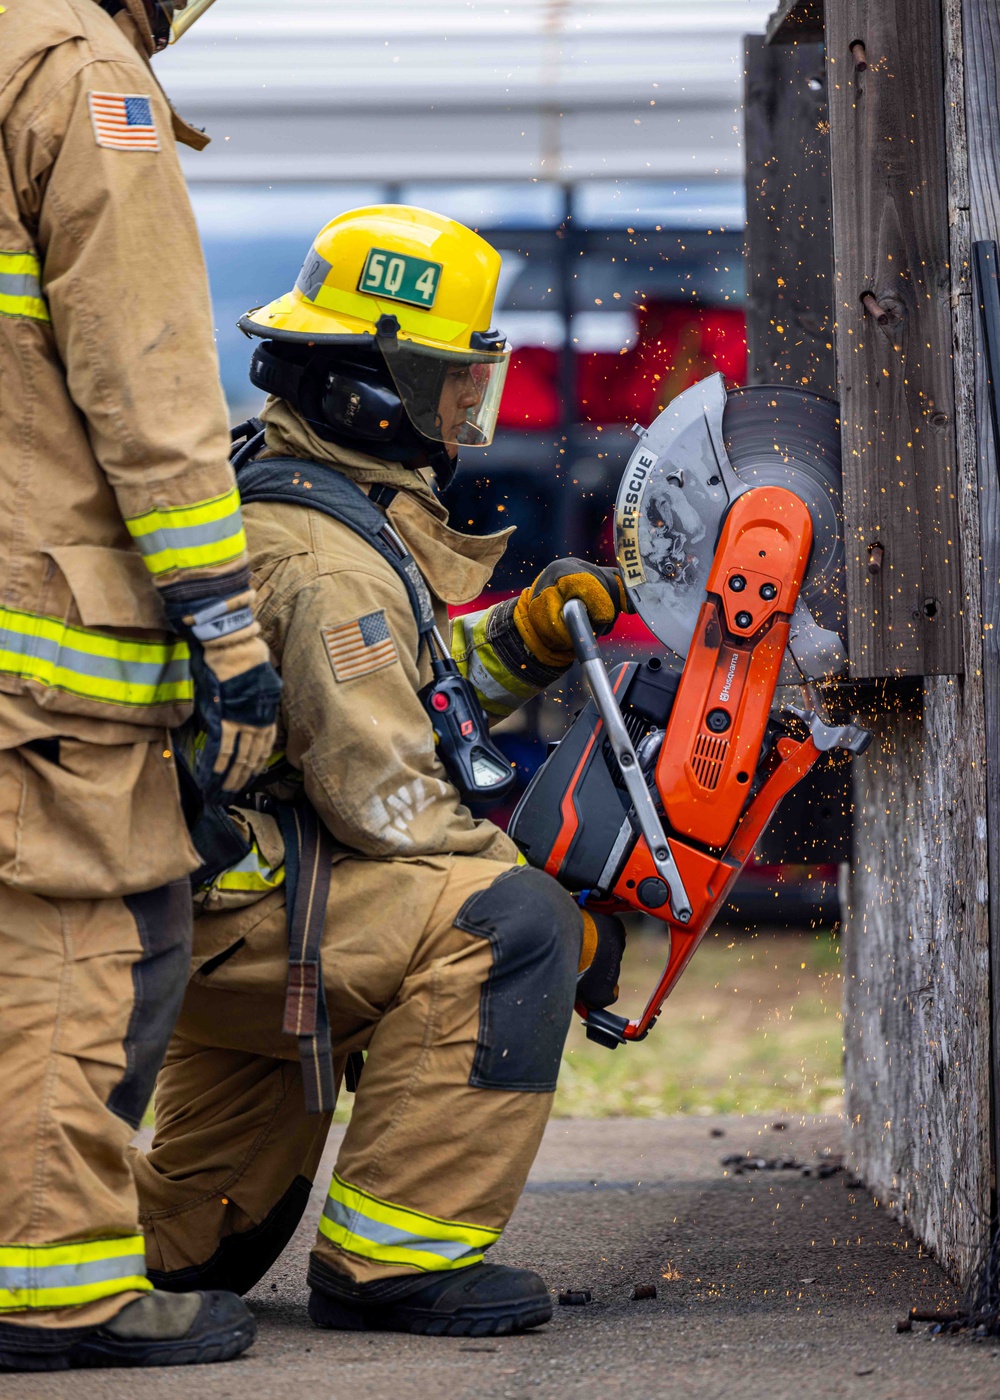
(916, 941)
(789, 237)
(972, 29)
(894, 334)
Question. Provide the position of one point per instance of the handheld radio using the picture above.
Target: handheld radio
(470, 758)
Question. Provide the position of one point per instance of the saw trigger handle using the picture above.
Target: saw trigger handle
(586, 648)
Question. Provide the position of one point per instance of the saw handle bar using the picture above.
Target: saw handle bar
(588, 654)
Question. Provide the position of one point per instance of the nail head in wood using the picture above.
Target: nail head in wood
(873, 308)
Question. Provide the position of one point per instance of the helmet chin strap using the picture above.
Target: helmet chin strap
(299, 381)
(409, 448)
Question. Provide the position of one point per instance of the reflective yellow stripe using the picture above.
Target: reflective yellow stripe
(251, 875)
(66, 1275)
(94, 664)
(354, 304)
(388, 1234)
(21, 287)
(498, 689)
(194, 536)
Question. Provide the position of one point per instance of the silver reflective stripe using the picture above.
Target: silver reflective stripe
(251, 864)
(174, 537)
(487, 685)
(20, 284)
(315, 271)
(380, 1233)
(86, 663)
(31, 1277)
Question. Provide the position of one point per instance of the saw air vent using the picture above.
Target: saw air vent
(709, 755)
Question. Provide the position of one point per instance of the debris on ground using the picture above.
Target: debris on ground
(980, 1311)
(574, 1297)
(643, 1290)
(829, 1164)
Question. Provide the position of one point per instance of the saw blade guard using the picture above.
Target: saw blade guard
(705, 449)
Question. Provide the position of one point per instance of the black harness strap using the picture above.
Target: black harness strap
(309, 854)
(309, 847)
(321, 487)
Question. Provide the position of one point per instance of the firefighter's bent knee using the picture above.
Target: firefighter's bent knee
(534, 929)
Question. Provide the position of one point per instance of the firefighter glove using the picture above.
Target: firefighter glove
(538, 611)
(600, 959)
(236, 692)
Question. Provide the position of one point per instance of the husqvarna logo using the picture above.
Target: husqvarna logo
(725, 691)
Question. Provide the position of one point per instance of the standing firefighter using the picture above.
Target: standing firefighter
(124, 560)
(452, 965)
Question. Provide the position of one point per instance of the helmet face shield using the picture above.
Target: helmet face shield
(449, 396)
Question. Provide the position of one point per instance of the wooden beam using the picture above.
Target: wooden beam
(789, 234)
(894, 336)
(794, 20)
(916, 940)
(916, 1064)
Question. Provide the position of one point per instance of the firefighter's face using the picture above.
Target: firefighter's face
(459, 393)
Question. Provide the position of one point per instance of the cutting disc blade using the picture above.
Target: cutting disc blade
(704, 450)
(791, 438)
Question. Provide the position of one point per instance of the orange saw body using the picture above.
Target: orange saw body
(656, 796)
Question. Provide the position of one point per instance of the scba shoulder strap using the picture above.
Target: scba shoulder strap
(308, 847)
(295, 481)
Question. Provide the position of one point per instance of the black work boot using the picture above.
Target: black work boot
(482, 1300)
(158, 1329)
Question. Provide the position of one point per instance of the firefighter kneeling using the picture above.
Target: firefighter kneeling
(416, 933)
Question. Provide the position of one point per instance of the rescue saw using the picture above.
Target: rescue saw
(728, 532)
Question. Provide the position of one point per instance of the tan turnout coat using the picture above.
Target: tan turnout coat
(110, 404)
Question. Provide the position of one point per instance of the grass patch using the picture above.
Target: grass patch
(753, 1026)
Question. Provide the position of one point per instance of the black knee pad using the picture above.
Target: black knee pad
(242, 1260)
(534, 929)
(164, 919)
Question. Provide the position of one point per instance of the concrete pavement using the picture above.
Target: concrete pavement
(770, 1285)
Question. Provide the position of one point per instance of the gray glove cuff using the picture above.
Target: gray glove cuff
(217, 621)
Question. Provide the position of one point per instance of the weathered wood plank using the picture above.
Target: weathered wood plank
(916, 940)
(789, 233)
(891, 240)
(914, 949)
(794, 20)
(789, 267)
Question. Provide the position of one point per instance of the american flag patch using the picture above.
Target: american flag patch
(123, 121)
(357, 648)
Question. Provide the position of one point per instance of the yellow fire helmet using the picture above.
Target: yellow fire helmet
(420, 288)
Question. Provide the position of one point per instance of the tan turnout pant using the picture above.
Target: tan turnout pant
(89, 988)
(455, 975)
